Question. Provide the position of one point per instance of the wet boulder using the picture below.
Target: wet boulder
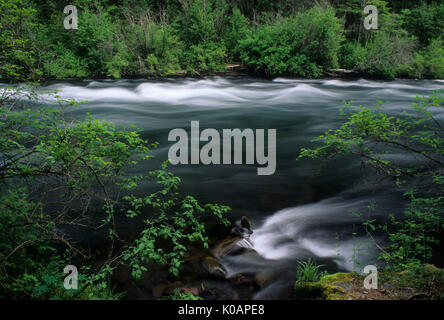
(214, 267)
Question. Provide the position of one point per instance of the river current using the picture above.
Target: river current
(301, 211)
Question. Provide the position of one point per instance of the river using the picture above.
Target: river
(302, 211)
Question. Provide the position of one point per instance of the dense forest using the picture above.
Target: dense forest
(138, 38)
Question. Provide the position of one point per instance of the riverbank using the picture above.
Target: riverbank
(232, 70)
(401, 285)
(295, 213)
(205, 276)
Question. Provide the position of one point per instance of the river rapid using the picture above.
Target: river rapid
(301, 211)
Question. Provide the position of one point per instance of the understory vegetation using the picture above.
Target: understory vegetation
(58, 177)
(129, 38)
(373, 135)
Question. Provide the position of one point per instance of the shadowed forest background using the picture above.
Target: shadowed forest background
(157, 38)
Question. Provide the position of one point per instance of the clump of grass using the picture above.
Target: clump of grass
(183, 296)
(308, 271)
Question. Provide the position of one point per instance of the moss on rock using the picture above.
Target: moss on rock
(422, 282)
(214, 267)
(309, 290)
(337, 286)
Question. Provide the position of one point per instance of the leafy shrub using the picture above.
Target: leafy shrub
(200, 27)
(371, 134)
(97, 43)
(140, 38)
(352, 56)
(303, 45)
(434, 59)
(152, 46)
(83, 164)
(17, 19)
(63, 63)
(428, 63)
(207, 57)
(237, 29)
(388, 50)
(183, 296)
(202, 21)
(425, 21)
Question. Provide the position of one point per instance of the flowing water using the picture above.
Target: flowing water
(303, 210)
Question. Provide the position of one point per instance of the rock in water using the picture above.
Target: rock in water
(213, 267)
(243, 229)
(264, 278)
(245, 223)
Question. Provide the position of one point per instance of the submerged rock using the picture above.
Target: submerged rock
(238, 242)
(241, 279)
(205, 270)
(264, 278)
(227, 246)
(242, 228)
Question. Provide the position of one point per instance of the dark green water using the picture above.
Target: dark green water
(297, 213)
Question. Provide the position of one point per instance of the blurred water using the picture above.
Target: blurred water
(300, 211)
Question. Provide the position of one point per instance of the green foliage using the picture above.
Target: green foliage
(96, 42)
(412, 238)
(352, 13)
(308, 271)
(389, 48)
(208, 57)
(392, 50)
(142, 38)
(352, 56)
(178, 222)
(152, 46)
(237, 30)
(302, 45)
(201, 21)
(74, 160)
(201, 26)
(54, 172)
(434, 59)
(425, 21)
(31, 266)
(371, 134)
(422, 277)
(16, 23)
(428, 63)
(183, 296)
(64, 64)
